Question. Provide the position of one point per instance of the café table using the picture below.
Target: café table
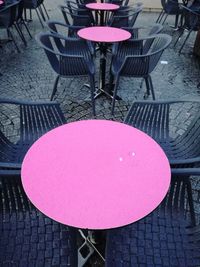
(103, 35)
(102, 7)
(95, 174)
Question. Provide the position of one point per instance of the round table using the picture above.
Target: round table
(102, 7)
(96, 174)
(103, 35)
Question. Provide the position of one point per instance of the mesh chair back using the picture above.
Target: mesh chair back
(170, 6)
(31, 4)
(125, 18)
(67, 56)
(144, 64)
(191, 19)
(76, 17)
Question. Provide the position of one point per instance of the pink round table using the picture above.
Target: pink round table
(104, 34)
(102, 6)
(95, 174)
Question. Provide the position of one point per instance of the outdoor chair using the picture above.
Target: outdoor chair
(191, 22)
(125, 17)
(137, 59)
(39, 7)
(169, 7)
(163, 238)
(27, 237)
(77, 17)
(175, 126)
(69, 57)
(8, 19)
(29, 120)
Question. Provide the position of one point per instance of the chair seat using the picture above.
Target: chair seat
(158, 240)
(31, 239)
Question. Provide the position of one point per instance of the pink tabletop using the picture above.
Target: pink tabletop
(104, 34)
(102, 6)
(96, 174)
(1, 2)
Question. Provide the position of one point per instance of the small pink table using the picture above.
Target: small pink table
(103, 35)
(102, 7)
(96, 174)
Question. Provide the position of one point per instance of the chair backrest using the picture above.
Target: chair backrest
(170, 6)
(32, 4)
(125, 17)
(143, 61)
(74, 17)
(67, 56)
(191, 18)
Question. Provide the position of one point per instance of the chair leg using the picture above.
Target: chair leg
(179, 36)
(45, 10)
(20, 33)
(162, 15)
(39, 18)
(151, 87)
(26, 27)
(159, 17)
(147, 87)
(41, 13)
(55, 87)
(114, 94)
(176, 21)
(92, 88)
(13, 39)
(185, 41)
(165, 19)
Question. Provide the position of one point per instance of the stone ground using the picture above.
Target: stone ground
(28, 75)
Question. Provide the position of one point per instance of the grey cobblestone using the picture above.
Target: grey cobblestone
(28, 75)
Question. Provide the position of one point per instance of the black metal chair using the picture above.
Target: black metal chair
(191, 22)
(27, 237)
(137, 58)
(30, 120)
(125, 16)
(39, 7)
(69, 57)
(169, 7)
(163, 238)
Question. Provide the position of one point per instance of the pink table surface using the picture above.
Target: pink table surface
(96, 174)
(1, 2)
(102, 6)
(104, 34)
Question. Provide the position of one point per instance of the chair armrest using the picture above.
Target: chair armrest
(186, 171)
(26, 102)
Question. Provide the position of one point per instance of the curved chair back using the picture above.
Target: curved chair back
(77, 18)
(67, 56)
(170, 6)
(126, 17)
(144, 63)
(191, 19)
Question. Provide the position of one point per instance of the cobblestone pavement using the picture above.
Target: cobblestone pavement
(28, 75)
